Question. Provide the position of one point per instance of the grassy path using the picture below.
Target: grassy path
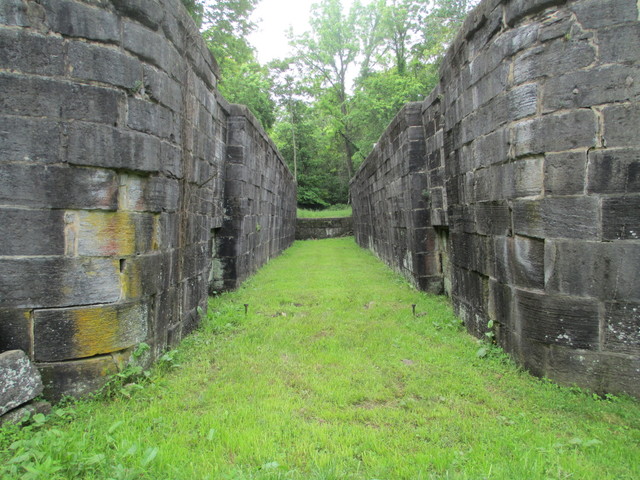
(330, 376)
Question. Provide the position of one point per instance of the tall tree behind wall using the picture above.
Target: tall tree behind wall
(355, 70)
(225, 26)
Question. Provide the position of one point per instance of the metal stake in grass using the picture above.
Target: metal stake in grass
(246, 308)
(413, 308)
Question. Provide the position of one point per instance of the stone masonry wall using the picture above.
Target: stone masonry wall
(260, 201)
(319, 228)
(112, 165)
(532, 159)
(389, 199)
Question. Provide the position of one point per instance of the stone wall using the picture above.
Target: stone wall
(319, 228)
(260, 201)
(390, 198)
(532, 153)
(112, 167)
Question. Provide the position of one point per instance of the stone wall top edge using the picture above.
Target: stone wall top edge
(398, 119)
(239, 110)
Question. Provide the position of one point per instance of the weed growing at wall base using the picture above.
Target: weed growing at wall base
(331, 375)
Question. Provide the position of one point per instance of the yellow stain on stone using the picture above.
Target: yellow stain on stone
(107, 328)
(96, 330)
(131, 280)
(107, 233)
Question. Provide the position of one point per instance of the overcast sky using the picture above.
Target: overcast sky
(274, 18)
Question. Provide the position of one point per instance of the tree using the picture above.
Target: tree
(328, 53)
(243, 80)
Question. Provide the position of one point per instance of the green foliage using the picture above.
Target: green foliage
(353, 71)
(334, 211)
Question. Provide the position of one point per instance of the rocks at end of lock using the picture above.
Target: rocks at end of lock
(20, 381)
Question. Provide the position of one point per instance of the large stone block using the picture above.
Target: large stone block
(104, 64)
(598, 86)
(146, 275)
(15, 330)
(110, 147)
(621, 125)
(555, 133)
(154, 119)
(622, 327)
(14, 12)
(31, 53)
(19, 380)
(70, 333)
(558, 320)
(76, 378)
(557, 217)
(601, 372)
(603, 13)
(614, 171)
(58, 187)
(101, 234)
(150, 194)
(40, 97)
(153, 48)
(45, 282)
(31, 232)
(76, 19)
(517, 9)
(620, 43)
(519, 261)
(29, 140)
(565, 172)
(607, 271)
(553, 58)
(143, 11)
(493, 218)
(621, 218)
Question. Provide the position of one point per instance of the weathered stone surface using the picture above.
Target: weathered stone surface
(614, 171)
(621, 218)
(76, 378)
(561, 217)
(620, 43)
(555, 133)
(44, 282)
(31, 232)
(78, 19)
(564, 173)
(594, 370)
(27, 53)
(105, 64)
(603, 85)
(57, 187)
(29, 140)
(119, 234)
(621, 125)
(531, 145)
(519, 261)
(517, 9)
(40, 97)
(558, 320)
(15, 330)
(622, 327)
(315, 228)
(602, 13)
(87, 331)
(19, 380)
(607, 271)
(144, 11)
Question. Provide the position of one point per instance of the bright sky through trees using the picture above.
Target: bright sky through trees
(274, 17)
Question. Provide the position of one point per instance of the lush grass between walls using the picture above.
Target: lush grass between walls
(330, 375)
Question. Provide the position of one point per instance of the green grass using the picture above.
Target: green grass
(331, 212)
(330, 376)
